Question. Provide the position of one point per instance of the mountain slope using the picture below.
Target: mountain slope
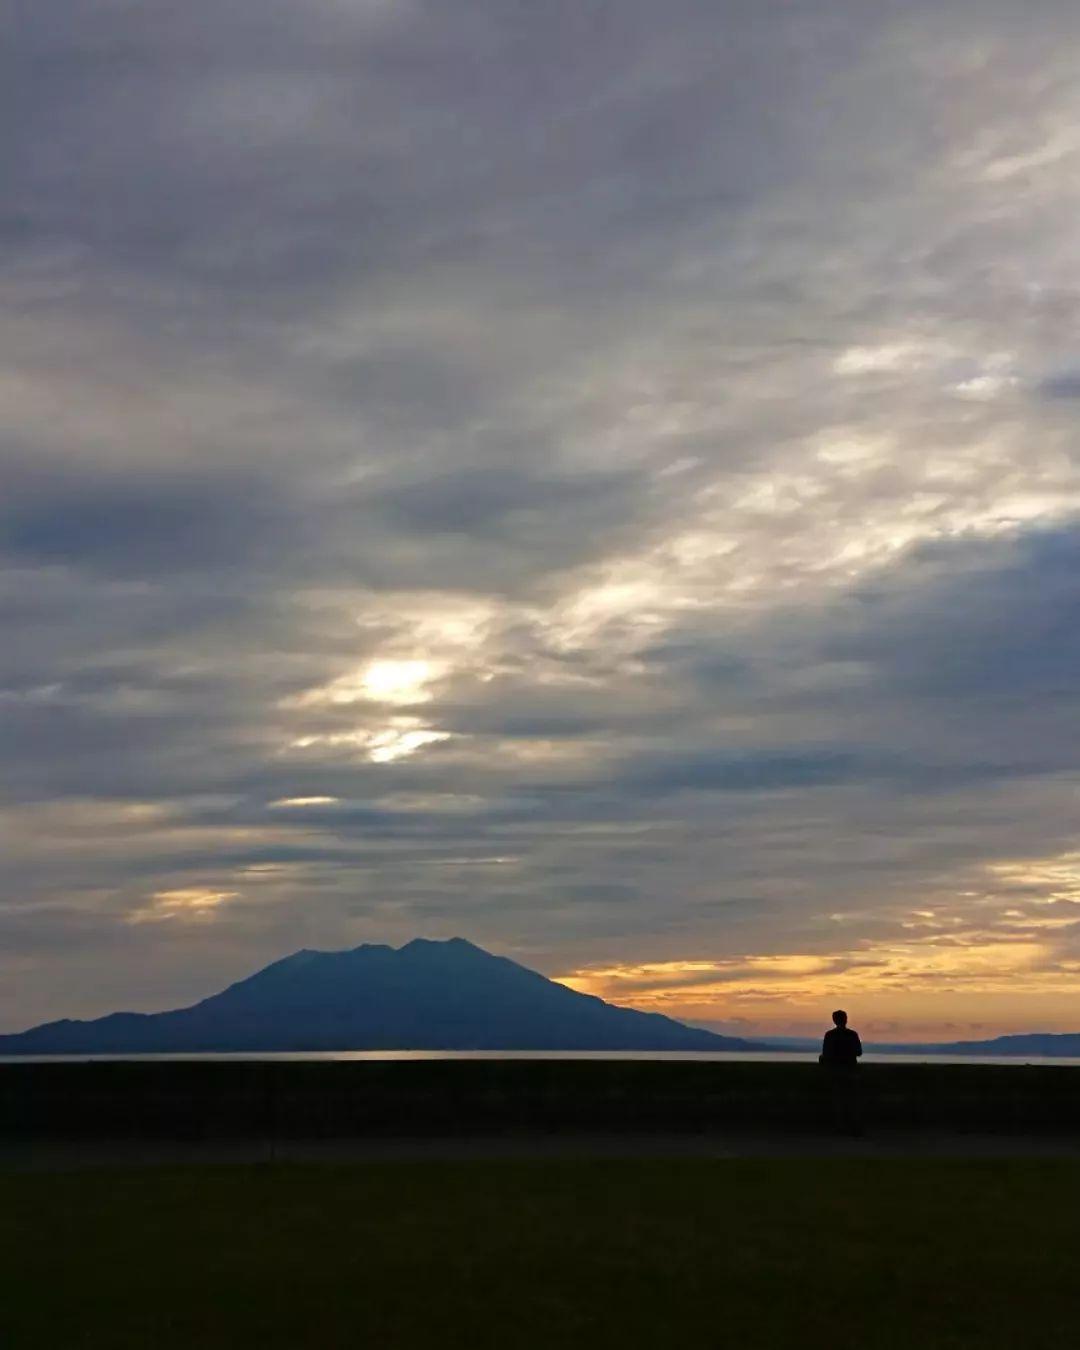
(423, 996)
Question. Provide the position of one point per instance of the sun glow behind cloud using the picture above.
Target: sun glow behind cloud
(305, 801)
(190, 904)
(398, 681)
(398, 739)
(389, 681)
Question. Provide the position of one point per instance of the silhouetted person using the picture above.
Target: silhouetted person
(841, 1047)
(840, 1051)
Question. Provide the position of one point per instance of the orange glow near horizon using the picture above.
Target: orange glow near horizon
(906, 990)
(998, 957)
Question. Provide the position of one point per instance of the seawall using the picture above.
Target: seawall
(212, 1100)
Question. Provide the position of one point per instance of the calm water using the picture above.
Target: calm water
(763, 1056)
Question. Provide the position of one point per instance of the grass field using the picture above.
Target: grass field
(623, 1253)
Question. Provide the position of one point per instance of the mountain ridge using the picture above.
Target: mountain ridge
(1048, 1043)
(425, 995)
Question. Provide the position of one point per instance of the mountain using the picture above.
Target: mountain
(1032, 1043)
(423, 996)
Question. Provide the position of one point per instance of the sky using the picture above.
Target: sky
(599, 479)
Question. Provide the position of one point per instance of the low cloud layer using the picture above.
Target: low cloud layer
(599, 479)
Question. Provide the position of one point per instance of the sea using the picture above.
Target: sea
(674, 1056)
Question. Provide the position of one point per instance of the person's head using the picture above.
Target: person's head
(840, 1017)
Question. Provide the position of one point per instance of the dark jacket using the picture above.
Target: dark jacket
(841, 1048)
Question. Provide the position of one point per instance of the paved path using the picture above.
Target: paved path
(54, 1155)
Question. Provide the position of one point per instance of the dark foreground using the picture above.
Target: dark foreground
(67, 1155)
(216, 1101)
(873, 1255)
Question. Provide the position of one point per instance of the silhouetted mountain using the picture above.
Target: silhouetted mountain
(1033, 1043)
(423, 996)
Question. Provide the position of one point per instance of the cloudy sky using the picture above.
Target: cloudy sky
(599, 478)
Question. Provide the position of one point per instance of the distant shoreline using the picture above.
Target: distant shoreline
(872, 1056)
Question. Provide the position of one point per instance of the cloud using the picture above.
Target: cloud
(599, 479)
(1065, 385)
(140, 530)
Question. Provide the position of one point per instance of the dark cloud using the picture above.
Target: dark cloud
(1066, 385)
(766, 772)
(125, 528)
(997, 623)
(498, 501)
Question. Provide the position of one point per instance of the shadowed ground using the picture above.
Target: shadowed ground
(56, 1155)
(629, 1252)
(214, 1101)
